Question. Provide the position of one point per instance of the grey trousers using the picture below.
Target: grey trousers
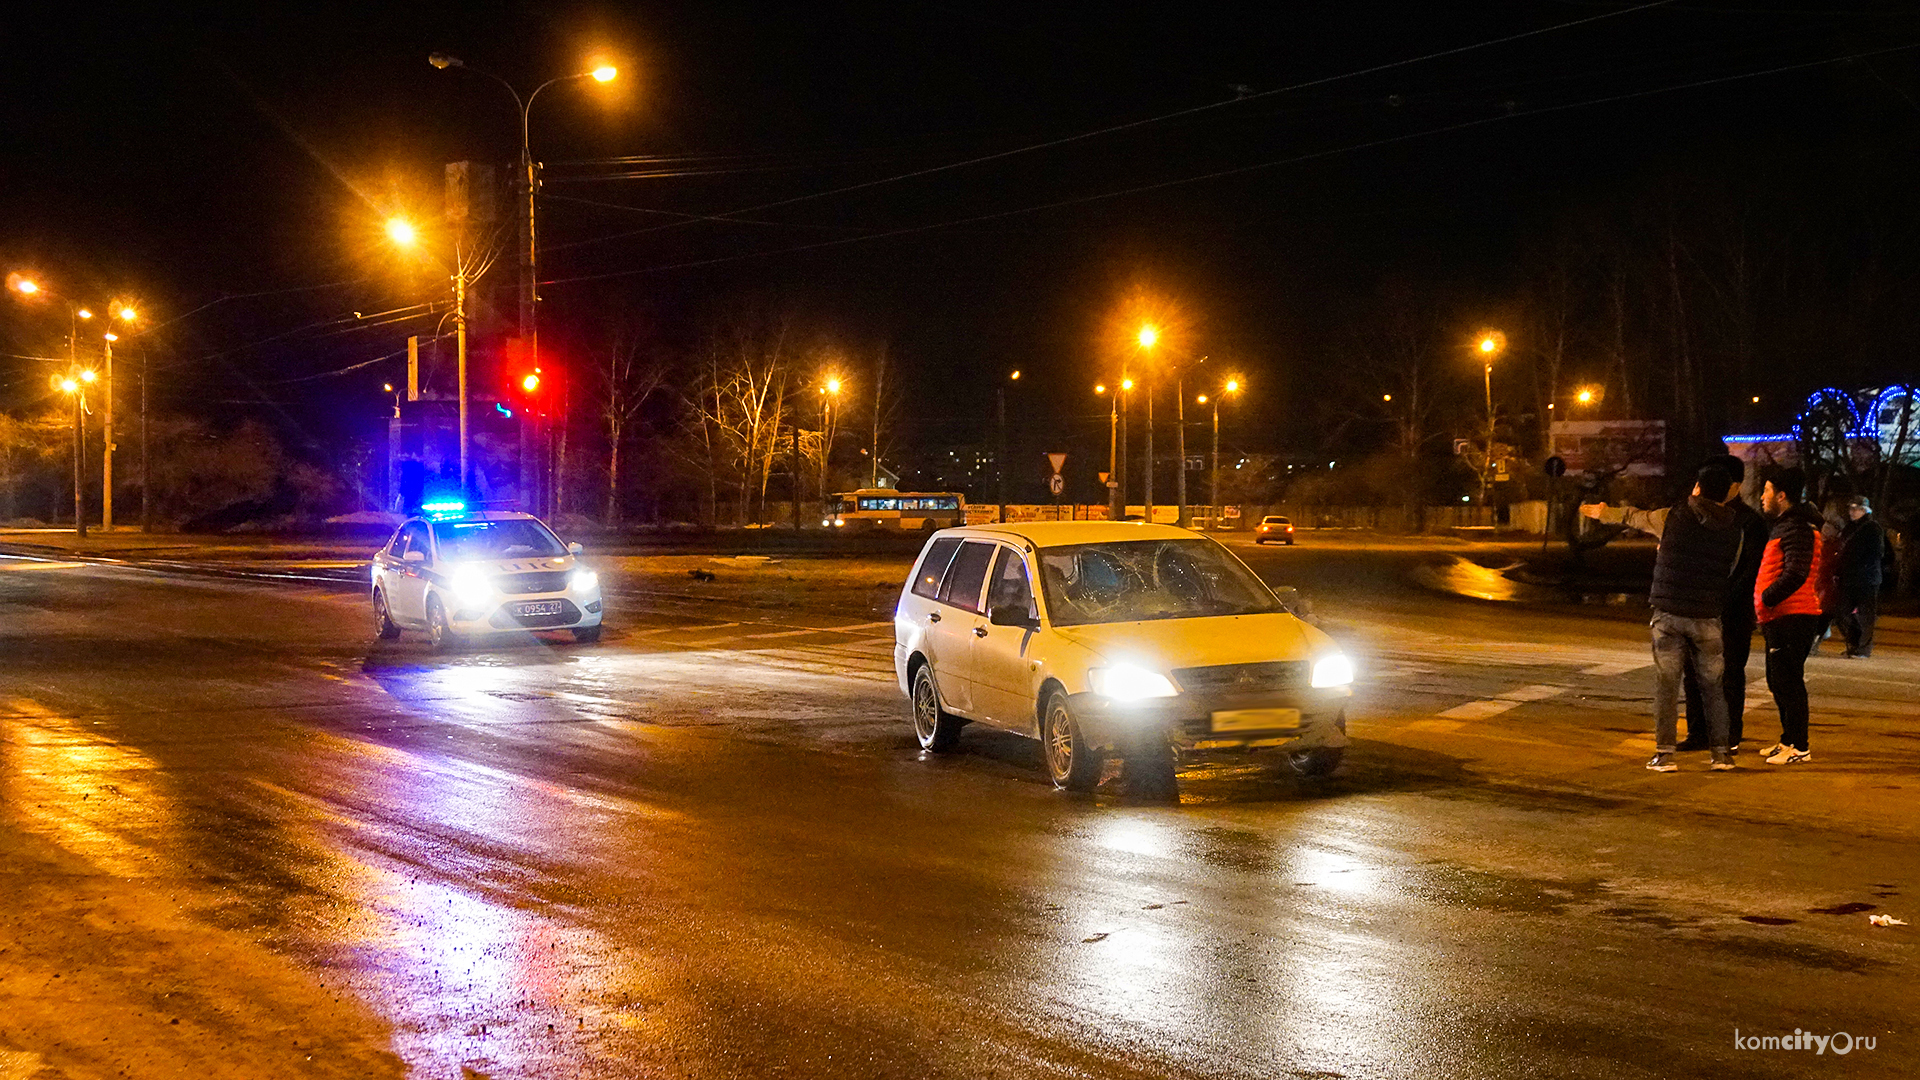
(1680, 642)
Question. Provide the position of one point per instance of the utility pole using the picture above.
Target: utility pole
(146, 473)
(1213, 488)
(1149, 494)
(106, 442)
(1180, 447)
(460, 349)
(1000, 455)
(79, 464)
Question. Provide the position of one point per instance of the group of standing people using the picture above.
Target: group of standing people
(1724, 570)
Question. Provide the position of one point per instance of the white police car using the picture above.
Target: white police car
(456, 574)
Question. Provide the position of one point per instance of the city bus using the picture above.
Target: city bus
(884, 508)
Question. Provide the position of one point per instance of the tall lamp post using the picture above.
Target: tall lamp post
(76, 314)
(1148, 337)
(1000, 452)
(530, 180)
(1490, 345)
(829, 396)
(75, 383)
(1231, 386)
(125, 313)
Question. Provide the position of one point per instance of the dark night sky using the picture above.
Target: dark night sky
(189, 155)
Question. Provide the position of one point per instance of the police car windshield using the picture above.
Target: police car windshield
(515, 539)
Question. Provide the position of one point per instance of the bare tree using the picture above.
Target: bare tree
(630, 375)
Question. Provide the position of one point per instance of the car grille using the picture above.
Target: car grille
(1245, 678)
(523, 584)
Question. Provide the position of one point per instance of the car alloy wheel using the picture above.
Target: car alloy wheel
(1071, 763)
(935, 728)
(383, 624)
(439, 630)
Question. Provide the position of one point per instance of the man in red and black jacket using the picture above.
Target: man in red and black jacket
(1788, 609)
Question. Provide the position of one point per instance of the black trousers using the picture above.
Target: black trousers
(1859, 605)
(1788, 639)
(1736, 642)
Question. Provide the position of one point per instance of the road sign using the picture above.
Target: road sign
(1057, 483)
(1106, 477)
(1058, 460)
(1556, 466)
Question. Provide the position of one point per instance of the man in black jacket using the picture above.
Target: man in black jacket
(1699, 546)
(1857, 578)
(1736, 619)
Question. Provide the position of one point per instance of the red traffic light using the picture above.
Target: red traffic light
(531, 382)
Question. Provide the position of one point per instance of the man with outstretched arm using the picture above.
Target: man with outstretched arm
(1699, 549)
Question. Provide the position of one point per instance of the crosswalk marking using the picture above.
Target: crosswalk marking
(1616, 669)
(1479, 710)
(36, 565)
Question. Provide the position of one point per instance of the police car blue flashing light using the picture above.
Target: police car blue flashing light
(443, 509)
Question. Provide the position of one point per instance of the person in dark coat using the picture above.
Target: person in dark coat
(1699, 549)
(1857, 568)
(1737, 624)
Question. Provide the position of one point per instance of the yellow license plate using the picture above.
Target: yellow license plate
(1255, 719)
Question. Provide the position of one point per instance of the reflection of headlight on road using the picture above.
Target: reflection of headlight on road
(1334, 670)
(583, 581)
(1124, 682)
(470, 586)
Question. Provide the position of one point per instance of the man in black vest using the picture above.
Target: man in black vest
(1699, 545)
(1737, 623)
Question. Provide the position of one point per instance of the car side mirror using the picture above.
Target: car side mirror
(414, 557)
(574, 548)
(1012, 615)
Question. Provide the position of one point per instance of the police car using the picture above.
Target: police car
(455, 575)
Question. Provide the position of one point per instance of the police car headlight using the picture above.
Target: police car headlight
(1332, 670)
(583, 581)
(470, 586)
(1125, 682)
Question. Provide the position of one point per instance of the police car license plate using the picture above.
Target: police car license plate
(538, 607)
(1255, 719)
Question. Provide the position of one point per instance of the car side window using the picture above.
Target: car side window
(933, 568)
(1010, 586)
(968, 575)
(414, 538)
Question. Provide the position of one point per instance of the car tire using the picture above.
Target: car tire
(383, 625)
(586, 635)
(935, 728)
(1071, 763)
(439, 630)
(1289, 543)
(927, 525)
(1314, 763)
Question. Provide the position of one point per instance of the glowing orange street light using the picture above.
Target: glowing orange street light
(69, 384)
(530, 383)
(83, 313)
(1149, 336)
(402, 232)
(604, 73)
(1584, 397)
(27, 286)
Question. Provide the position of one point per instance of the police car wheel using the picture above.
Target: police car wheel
(439, 630)
(586, 635)
(383, 624)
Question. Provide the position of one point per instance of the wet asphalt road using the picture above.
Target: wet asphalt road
(708, 847)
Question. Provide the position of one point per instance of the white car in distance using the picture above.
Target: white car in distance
(1142, 641)
(456, 575)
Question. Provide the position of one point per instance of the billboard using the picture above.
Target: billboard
(1610, 447)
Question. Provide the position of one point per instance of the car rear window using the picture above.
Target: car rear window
(968, 575)
(934, 567)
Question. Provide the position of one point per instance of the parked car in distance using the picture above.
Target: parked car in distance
(1104, 638)
(1274, 527)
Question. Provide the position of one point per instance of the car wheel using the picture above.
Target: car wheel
(1319, 762)
(927, 525)
(1289, 543)
(936, 728)
(383, 624)
(439, 630)
(586, 635)
(1071, 763)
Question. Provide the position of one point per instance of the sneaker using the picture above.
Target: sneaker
(1774, 749)
(1662, 763)
(1722, 761)
(1787, 755)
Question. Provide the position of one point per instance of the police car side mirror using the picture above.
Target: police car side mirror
(414, 557)
(574, 548)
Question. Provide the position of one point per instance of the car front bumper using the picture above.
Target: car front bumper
(577, 612)
(1187, 720)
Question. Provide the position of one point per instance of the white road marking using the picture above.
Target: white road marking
(1539, 692)
(781, 633)
(1616, 669)
(1479, 710)
(40, 565)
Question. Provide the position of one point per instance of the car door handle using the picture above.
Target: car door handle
(979, 631)
(933, 616)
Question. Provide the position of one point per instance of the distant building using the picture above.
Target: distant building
(1868, 425)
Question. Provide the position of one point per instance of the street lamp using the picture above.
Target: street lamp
(1231, 386)
(403, 234)
(1148, 337)
(1490, 345)
(74, 384)
(530, 178)
(125, 313)
(1000, 453)
(76, 314)
(829, 396)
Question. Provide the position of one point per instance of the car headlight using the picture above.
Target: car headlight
(583, 581)
(471, 586)
(1125, 682)
(1332, 670)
